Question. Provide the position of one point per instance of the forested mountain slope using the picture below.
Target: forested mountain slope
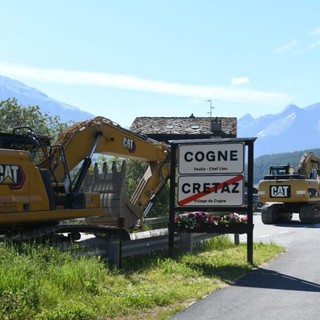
(262, 163)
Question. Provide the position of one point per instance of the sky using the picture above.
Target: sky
(124, 59)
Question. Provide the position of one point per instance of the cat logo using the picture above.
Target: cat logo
(12, 175)
(280, 192)
(129, 144)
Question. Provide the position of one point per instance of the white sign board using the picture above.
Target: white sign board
(214, 158)
(210, 191)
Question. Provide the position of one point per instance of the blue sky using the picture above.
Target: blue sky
(125, 59)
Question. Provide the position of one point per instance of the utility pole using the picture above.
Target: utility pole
(211, 107)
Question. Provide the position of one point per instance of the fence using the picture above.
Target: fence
(142, 243)
(152, 241)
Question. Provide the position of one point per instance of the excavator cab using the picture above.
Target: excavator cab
(38, 146)
(282, 172)
(29, 190)
(279, 170)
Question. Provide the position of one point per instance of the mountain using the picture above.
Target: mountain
(290, 130)
(25, 95)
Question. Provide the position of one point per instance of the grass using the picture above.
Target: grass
(43, 283)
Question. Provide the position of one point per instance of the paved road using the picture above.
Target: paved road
(286, 288)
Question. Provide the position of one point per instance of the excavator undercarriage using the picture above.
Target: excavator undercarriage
(277, 213)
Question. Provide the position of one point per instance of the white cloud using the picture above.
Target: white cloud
(73, 77)
(286, 46)
(240, 80)
(316, 43)
(315, 32)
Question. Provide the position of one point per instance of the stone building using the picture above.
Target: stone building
(177, 128)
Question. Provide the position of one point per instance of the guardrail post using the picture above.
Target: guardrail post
(236, 239)
(114, 253)
(186, 241)
(120, 226)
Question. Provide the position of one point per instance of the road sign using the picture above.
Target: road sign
(217, 158)
(210, 191)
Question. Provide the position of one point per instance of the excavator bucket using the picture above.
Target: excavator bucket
(113, 197)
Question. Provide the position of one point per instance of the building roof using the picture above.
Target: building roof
(165, 128)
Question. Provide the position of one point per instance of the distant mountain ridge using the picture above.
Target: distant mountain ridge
(26, 95)
(290, 130)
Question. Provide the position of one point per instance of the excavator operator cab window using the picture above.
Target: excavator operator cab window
(313, 192)
(26, 142)
(279, 170)
(313, 174)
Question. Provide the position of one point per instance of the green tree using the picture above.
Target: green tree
(14, 115)
(101, 160)
(135, 171)
(161, 207)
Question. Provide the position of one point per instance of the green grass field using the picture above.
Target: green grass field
(39, 282)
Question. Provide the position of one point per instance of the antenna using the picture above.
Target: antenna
(211, 107)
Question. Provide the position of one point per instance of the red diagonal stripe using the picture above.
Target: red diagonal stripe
(212, 189)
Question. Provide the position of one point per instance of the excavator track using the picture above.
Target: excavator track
(268, 215)
(56, 233)
(310, 213)
(276, 213)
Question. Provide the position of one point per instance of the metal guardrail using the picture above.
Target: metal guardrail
(116, 250)
(146, 245)
(152, 221)
(158, 243)
(147, 242)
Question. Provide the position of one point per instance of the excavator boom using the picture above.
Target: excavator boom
(103, 136)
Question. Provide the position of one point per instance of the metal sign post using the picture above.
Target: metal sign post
(209, 175)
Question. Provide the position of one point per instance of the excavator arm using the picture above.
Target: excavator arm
(309, 165)
(101, 135)
(79, 142)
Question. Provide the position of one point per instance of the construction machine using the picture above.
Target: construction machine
(286, 191)
(43, 184)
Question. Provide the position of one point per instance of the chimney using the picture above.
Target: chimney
(216, 128)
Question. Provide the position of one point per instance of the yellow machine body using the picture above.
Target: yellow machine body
(39, 189)
(286, 191)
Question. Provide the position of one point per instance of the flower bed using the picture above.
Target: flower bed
(210, 223)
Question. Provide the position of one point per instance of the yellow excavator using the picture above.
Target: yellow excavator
(286, 191)
(44, 184)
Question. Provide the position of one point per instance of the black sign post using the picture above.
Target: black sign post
(209, 175)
